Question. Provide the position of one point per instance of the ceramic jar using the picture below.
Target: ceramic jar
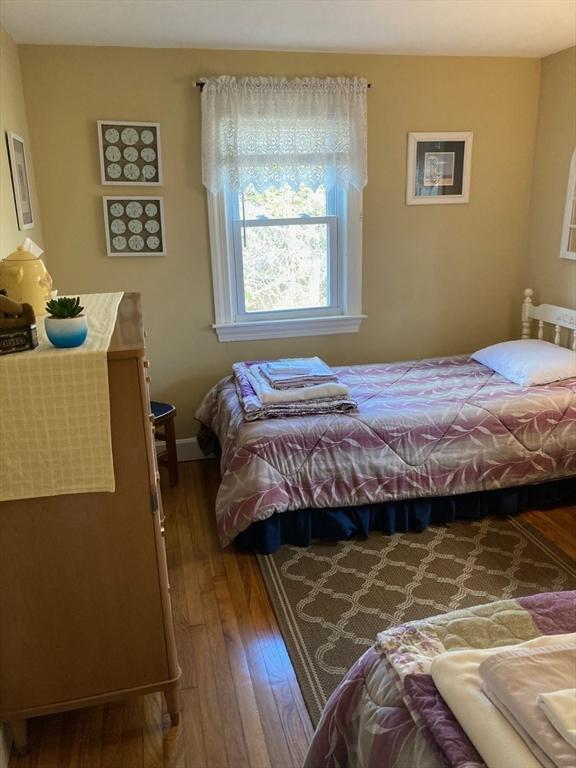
(26, 279)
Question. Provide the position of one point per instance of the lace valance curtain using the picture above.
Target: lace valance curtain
(267, 131)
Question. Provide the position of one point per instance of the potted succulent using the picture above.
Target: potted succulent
(66, 325)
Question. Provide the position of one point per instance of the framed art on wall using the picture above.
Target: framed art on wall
(568, 242)
(134, 226)
(438, 169)
(20, 180)
(129, 153)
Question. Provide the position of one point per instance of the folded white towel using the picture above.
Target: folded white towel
(560, 709)
(298, 372)
(267, 393)
(299, 365)
(287, 369)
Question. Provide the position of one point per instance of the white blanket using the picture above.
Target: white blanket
(267, 394)
(514, 678)
(560, 709)
(55, 412)
(456, 675)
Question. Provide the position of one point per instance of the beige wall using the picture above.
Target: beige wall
(13, 118)
(553, 278)
(437, 279)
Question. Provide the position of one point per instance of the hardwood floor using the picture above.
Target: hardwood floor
(241, 701)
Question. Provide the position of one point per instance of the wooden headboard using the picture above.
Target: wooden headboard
(558, 317)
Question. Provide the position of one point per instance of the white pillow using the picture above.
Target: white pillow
(529, 362)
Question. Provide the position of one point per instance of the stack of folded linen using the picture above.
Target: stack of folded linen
(290, 388)
(494, 695)
(440, 665)
(300, 372)
(515, 679)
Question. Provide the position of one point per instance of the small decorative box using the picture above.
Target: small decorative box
(18, 339)
(17, 326)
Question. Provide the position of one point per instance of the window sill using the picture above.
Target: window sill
(280, 329)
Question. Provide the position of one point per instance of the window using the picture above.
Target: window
(568, 246)
(285, 201)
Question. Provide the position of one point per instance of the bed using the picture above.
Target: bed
(387, 711)
(431, 440)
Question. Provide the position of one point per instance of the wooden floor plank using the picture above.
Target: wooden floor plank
(193, 562)
(557, 525)
(269, 716)
(232, 733)
(241, 702)
(87, 752)
(173, 742)
(70, 726)
(49, 743)
(293, 714)
(153, 735)
(183, 634)
(213, 723)
(132, 751)
(112, 733)
(246, 700)
(194, 742)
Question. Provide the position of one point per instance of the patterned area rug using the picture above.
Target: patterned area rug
(332, 599)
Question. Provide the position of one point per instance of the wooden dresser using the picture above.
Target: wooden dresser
(85, 614)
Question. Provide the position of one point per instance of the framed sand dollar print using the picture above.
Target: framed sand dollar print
(134, 226)
(129, 153)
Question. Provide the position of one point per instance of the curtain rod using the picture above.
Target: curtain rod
(200, 84)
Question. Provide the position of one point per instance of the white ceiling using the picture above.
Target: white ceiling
(443, 27)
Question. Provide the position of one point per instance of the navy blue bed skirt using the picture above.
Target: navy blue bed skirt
(300, 527)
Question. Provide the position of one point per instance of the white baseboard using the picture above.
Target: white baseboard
(189, 450)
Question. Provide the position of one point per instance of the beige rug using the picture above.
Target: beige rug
(332, 599)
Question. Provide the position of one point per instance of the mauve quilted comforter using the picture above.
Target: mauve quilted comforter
(423, 428)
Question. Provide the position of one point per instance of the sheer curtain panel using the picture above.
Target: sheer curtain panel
(269, 132)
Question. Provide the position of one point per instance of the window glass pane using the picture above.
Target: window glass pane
(573, 218)
(283, 203)
(285, 267)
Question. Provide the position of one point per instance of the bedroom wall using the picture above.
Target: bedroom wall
(553, 278)
(13, 118)
(437, 279)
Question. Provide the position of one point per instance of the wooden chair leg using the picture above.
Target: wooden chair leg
(20, 736)
(173, 703)
(170, 436)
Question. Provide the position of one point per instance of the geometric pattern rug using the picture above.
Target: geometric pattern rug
(331, 599)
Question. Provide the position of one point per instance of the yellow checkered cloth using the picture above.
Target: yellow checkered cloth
(55, 412)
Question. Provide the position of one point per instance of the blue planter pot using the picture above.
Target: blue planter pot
(66, 332)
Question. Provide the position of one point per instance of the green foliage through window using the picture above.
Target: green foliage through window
(285, 266)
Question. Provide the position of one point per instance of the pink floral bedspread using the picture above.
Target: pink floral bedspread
(423, 428)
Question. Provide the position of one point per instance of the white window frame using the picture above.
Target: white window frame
(344, 315)
(568, 226)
